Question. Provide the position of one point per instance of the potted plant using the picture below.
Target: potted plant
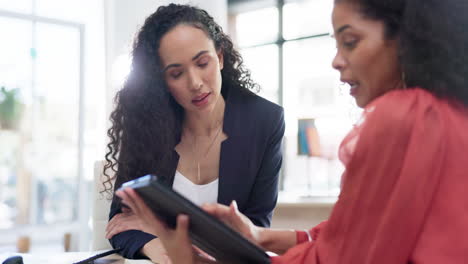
(10, 108)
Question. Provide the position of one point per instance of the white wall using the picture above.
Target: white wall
(123, 18)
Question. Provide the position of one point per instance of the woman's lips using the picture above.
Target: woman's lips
(201, 99)
(353, 89)
(353, 85)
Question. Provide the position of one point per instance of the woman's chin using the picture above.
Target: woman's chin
(361, 102)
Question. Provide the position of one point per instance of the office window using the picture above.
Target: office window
(16, 68)
(47, 153)
(69, 10)
(263, 61)
(289, 53)
(20, 6)
(306, 18)
(55, 123)
(257, 27)
(39, 168)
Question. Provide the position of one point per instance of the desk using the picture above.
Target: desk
(71, 257)
(297, 212)
(291, 200)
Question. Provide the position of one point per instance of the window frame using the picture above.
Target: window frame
(38, 231)
(235, 9)
(238, 7)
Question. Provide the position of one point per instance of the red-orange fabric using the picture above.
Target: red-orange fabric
(302, 236)
(404, 197)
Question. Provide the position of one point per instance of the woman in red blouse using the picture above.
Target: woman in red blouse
(403, 198)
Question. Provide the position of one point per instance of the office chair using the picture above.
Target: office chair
(100, 212)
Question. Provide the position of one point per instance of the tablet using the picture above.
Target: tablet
(207, 232)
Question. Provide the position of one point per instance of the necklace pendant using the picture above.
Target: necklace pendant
(198, 170)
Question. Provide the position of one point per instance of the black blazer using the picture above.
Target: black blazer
(250, 161)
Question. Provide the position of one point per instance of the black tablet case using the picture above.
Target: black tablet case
(206, 232)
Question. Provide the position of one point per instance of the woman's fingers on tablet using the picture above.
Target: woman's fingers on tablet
(201, 254)
(178, 243)
(132, 200)
(140, 210)
(233, 211)
(136, 204)
(218, 210)
(122, 222)
(236, 216)
(110, 228)
(204, 260)
(124, 196)
(112, 231)
(182, 228)
(126, 210)
(151, 224)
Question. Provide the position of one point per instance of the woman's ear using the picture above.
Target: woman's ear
(220, 58)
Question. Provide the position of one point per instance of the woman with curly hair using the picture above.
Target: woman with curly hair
(403, 198)
(186, 114)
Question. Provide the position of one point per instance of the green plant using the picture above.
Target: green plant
(10, 108)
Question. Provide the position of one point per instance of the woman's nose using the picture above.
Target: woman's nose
(338, 62)
(195, 82)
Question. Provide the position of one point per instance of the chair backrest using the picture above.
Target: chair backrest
(100, 212)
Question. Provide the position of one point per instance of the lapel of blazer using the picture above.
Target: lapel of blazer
(229, 150)
(171, 170)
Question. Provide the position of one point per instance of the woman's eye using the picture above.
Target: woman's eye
(176, 75)
(349, 42)
(203, 62)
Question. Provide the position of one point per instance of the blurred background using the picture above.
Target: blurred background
(61, 62)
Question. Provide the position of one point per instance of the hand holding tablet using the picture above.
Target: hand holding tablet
(205, 231)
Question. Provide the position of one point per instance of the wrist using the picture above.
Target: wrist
(154, 250)
(263, 237)
(276, 240)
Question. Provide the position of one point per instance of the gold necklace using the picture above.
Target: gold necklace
(194, 146)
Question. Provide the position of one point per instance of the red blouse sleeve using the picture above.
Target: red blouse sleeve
(300, 254)
(303, 236)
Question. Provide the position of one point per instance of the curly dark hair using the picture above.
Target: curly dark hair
(433, 42)
(390, 12)
(147, 121)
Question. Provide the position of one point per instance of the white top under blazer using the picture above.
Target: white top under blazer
(198, 194)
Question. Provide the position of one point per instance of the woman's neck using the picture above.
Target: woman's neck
(205, 124)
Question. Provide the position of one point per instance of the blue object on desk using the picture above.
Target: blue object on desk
(13, 260)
